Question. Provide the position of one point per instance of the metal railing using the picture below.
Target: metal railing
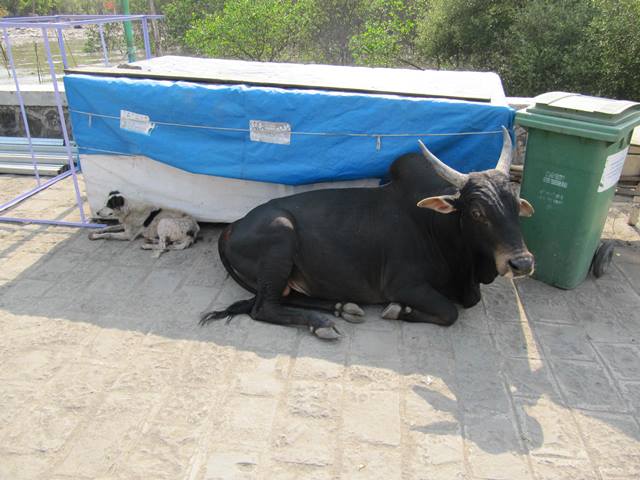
(58, 23)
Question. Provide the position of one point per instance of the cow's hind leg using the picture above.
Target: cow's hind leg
(274, 269)
(320, 325)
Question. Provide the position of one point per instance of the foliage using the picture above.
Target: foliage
(180, 15)
(388, 36)
(333, 24)
(87, 7)
(113, 39)
(261, 30)
(613, 47)
(547, 48)
(467, 34)
(29, 7)
(587, 46)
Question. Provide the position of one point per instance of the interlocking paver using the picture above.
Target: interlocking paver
(614, 439)
(565, 341)
(586, 385)
(631, 393)
(105, 373)
(554, 468)
(623, 360)
(371, 415)
(529, 378)
(548, 431)
(371, 462)
(495, 449)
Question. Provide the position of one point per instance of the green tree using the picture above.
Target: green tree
(181, 15)
(612, 44)
(79, 7)
(388, 36)
(548, 49)
(260, 30)
(28, 7)
(333, 24)
(468, 34)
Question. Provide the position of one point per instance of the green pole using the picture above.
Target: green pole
(128, 33)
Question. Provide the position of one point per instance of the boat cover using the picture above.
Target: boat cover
(278, 135)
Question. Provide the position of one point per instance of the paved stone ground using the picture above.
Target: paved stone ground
(104, 373)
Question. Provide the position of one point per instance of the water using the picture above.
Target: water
(30, 59)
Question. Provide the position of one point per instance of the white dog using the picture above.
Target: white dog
(162, 229)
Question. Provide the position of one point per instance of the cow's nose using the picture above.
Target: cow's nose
(522, 264)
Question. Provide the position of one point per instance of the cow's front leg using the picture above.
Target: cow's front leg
(423, 304)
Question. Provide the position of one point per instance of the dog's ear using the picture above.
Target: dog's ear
(115, 202)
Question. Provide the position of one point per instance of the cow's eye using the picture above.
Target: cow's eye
(476, 214)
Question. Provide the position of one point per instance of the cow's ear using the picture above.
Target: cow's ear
(441, 204)
(526, 209)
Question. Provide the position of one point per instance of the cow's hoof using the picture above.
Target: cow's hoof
(392, 312)
(324, 328)
(327, 333)
(351, 312)
(92, 236)
(353, 309)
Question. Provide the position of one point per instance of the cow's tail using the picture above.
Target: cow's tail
(237, 308)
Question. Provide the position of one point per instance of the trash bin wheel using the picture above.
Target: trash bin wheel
(602, 258)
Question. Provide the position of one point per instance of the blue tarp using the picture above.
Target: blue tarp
(204, 128)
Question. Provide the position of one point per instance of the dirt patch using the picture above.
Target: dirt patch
(617, 228)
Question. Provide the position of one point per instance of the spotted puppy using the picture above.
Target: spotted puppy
(162, 229)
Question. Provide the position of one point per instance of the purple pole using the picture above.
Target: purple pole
(58, 223)
(63, 123)
(63, 52)
(23, 111)
(105, 55)
(145, 35)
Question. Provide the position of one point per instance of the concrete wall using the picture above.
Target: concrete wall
(42, 112)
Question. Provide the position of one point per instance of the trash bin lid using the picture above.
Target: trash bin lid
(581, 115)
(604, 111)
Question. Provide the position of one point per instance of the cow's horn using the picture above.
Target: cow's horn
(457, 179)
(504, 162)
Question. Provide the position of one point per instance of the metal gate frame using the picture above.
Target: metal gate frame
(58, 23)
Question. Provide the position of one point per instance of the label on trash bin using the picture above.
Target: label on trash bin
(555, 179)
(270, 132)
(135, 122)
(612, 170)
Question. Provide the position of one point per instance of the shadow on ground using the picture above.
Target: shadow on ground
(478, 379)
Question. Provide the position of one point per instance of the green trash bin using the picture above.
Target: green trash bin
(576, 149)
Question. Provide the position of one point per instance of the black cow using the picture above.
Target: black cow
(423, 242)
